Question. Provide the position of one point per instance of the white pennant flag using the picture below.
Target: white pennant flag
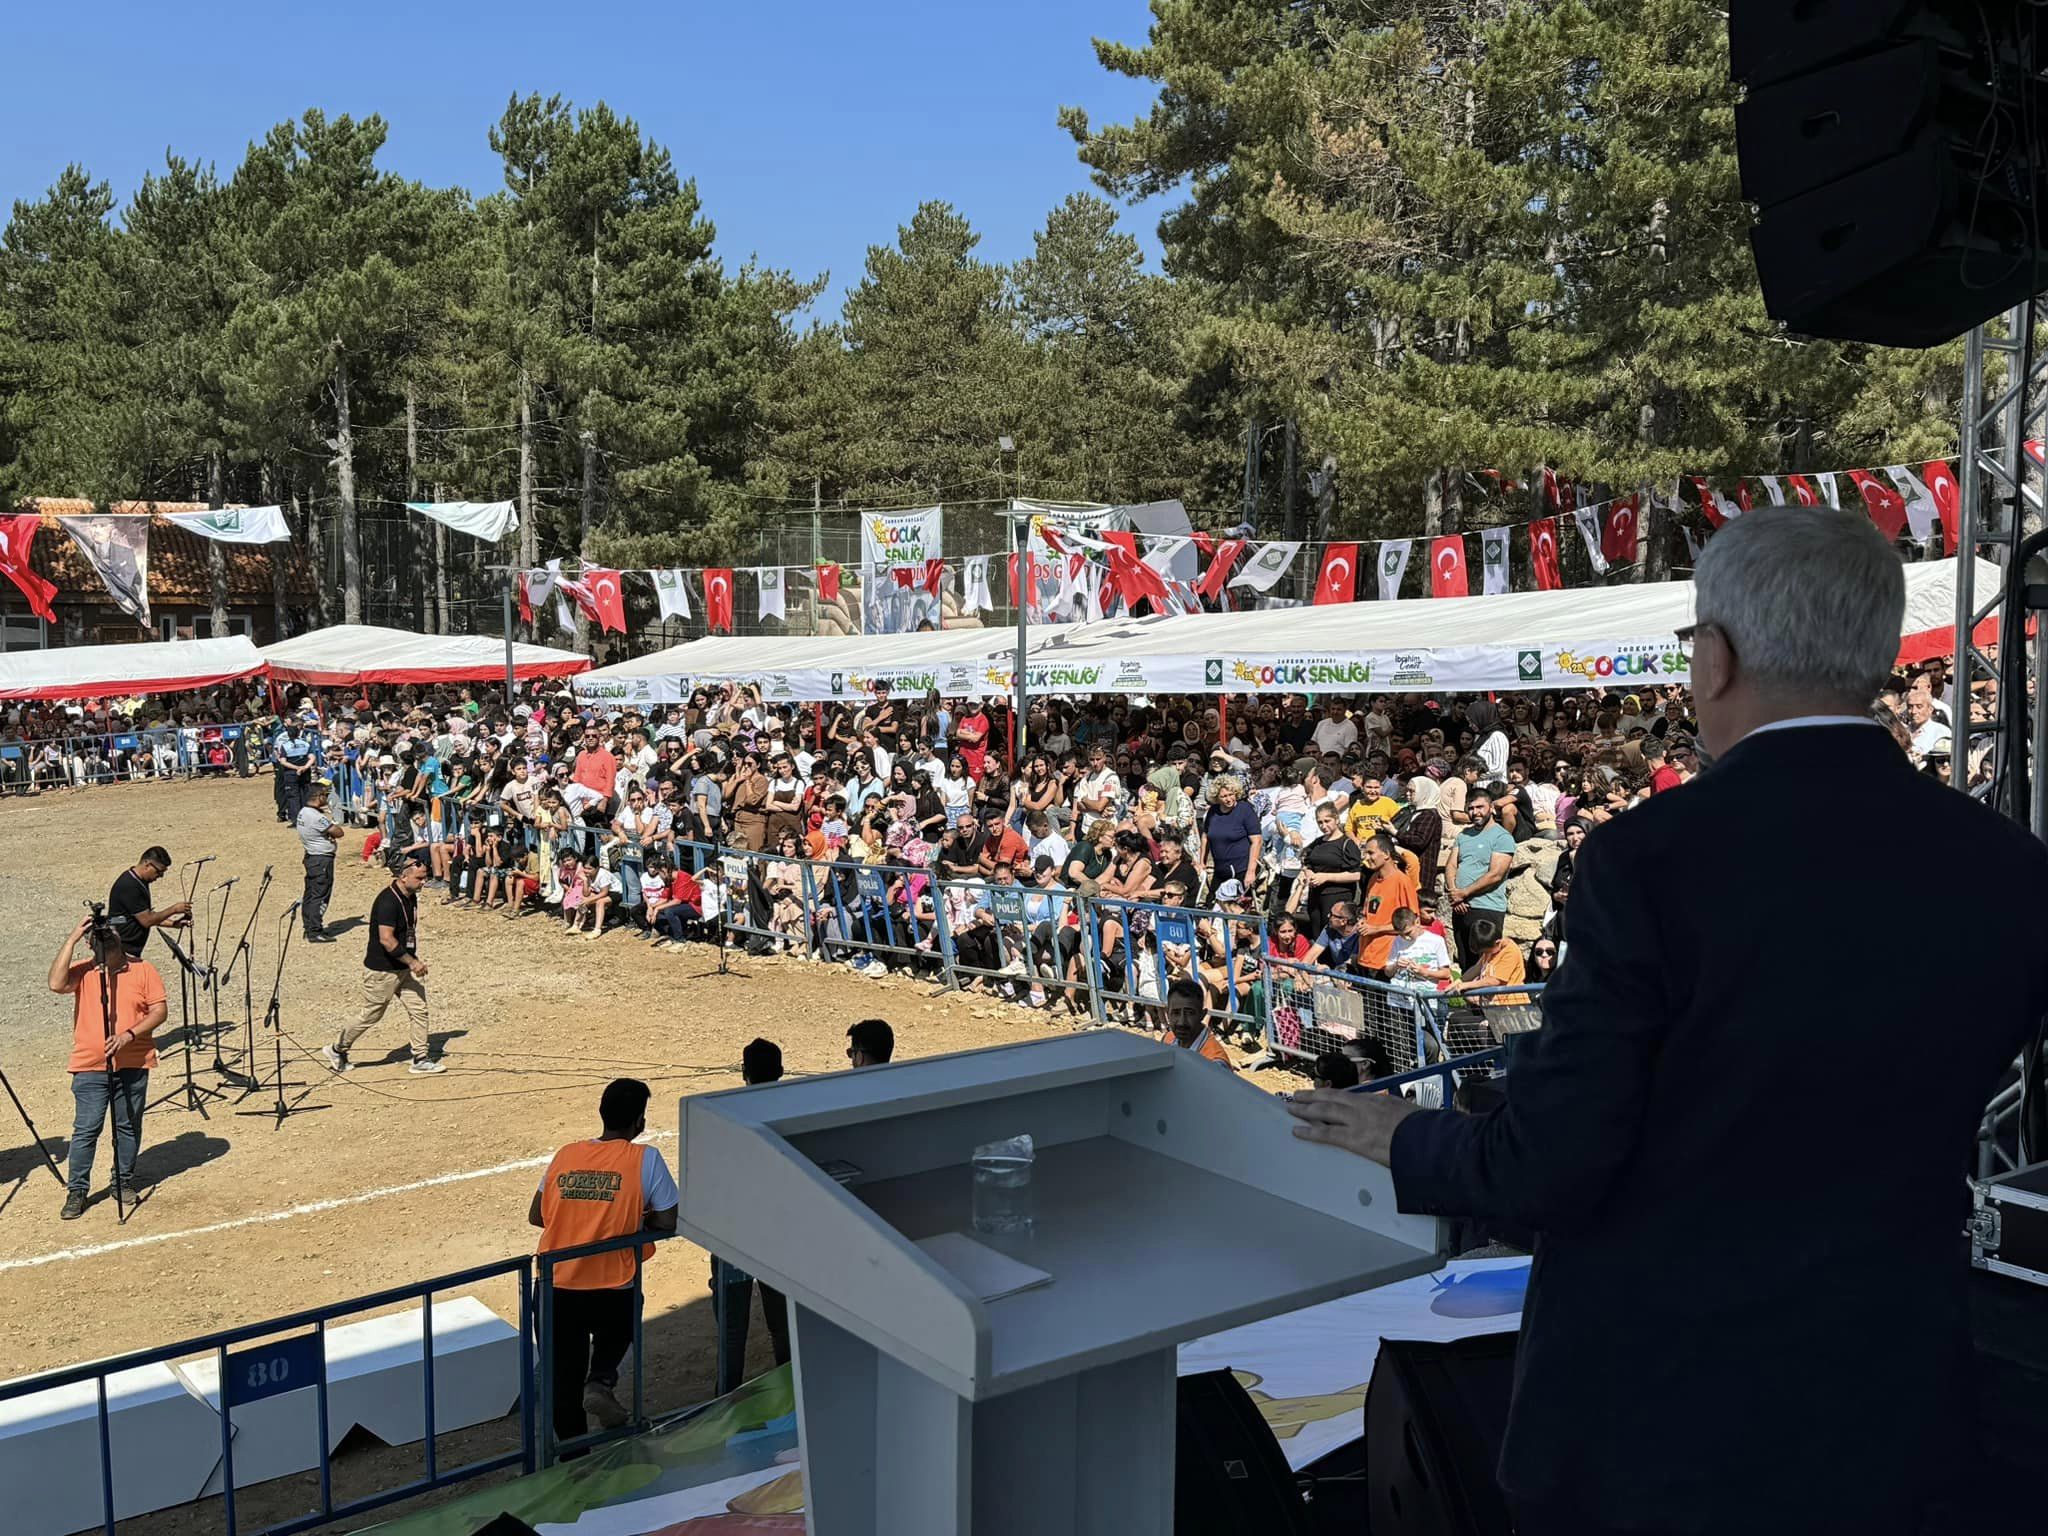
(564, 614)
(1773, 489)
(1588, 519)
(540, 584)
(1693, 542)
(488, 520)
(1922, 516)
(1393, 565)
(974, 586)
(1493, 555)
(234, 525)
(672, 591)
(768, 581)
(1830, 490)
(1264, 570)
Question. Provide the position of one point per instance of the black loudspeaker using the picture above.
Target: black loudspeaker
(1229, 1475)
(1434, 1420)
(1895, 150)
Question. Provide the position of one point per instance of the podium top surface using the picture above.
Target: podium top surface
(1171, 1200)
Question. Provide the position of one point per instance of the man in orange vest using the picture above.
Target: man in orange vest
(606, 1187)
(112, 1049)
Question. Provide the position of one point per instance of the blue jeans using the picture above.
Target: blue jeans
(89, 1096)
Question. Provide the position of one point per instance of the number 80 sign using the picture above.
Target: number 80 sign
(267, 1369)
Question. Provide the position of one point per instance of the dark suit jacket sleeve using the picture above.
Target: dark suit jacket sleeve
(1577, 1090)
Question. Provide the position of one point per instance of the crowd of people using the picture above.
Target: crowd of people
(1366, 835)
(50, 745)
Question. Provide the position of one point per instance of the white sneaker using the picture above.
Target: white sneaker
(874, 969)
(427, 1066)
(336, 1062)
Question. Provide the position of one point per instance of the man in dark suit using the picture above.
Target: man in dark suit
(1743, 1131)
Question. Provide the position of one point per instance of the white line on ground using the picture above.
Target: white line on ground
(310, 1208)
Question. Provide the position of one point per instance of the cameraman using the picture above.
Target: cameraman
(128, 908)
(107, 1066)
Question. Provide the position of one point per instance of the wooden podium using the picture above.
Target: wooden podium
(1172, 1201)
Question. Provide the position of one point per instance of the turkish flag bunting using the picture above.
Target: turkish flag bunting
(16, 535)
(1619, 530)
(718, 598)
(1135, 581)
(1337, 582)
(1948, 499)
(2035, 449)
(578, 587)
(1886, 506)
(1211, 585)
(1718, 508)
(1447, 566)
(1742, 495)
(607, 597)
(1543, 557)
(525, 599)
(934, 573)
(1803, 489)
(828, 581)
(1550, 489)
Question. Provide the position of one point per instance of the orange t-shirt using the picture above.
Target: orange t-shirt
(1206, 1046)
(136, 990)
(1505, 965)
(592, 1192)
(1385, 894)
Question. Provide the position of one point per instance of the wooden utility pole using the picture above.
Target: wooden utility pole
(344, 446)
(216, 552)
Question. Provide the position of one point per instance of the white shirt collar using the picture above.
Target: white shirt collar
(1800, 722)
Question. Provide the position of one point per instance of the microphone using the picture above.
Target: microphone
(288, 911)
(227, 882)
(202, 863)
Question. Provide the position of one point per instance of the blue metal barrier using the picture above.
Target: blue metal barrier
(1156, 944)
(306, 1345)
(118, 755)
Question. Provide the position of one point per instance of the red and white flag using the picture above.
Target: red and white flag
(1447, 566)
(1886, 506)
(1948, 500)
(1211, 584)
(718, 598)
(607, 597)
(1544, 556)
(1803, 491)
(576, 588)
(1619, 533)
(1921, 513)
(1337, 581)
(1742, 496)
(17, 533)
(1718, 508)
(828, 580)
(1550, 498)
(934, 574)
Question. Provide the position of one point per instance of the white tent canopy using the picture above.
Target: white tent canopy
(350, 655)
(119, 671)
(801, 668)
(1516, 640)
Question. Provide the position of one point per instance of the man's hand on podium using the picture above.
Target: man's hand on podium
(1358, 1122)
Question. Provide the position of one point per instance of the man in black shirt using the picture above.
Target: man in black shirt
(393, 969)
(128, 907)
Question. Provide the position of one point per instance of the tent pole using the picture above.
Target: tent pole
(1223, 720)
(1020, 551)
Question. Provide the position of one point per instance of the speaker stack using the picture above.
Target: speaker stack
(1895, 152)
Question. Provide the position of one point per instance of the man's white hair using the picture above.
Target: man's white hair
(1811, 599)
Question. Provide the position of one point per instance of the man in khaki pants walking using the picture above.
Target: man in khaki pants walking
(392, 969)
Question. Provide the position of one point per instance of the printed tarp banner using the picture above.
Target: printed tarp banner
(118, 549)
(487, 520)
(1466, 669)
(234, 525)
(736, 1467)
(893, 545)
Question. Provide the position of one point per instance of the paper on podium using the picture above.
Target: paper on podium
(990, 1275)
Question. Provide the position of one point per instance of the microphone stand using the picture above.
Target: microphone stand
(192, 887)
(190, 1092)
(242, 952)
(231, 1078)
(114, 1104)
(280, 1111)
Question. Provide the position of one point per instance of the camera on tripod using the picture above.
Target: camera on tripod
(99, 927)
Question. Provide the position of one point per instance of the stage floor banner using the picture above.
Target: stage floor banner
(734, 1469)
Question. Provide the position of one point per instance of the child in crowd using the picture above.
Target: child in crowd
(575, 889)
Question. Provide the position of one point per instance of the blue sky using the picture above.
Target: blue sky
(813, 128)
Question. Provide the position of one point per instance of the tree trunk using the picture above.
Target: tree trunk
(444, 609)
(308, 531)
(280, 565)
(415, 527)
(345, 489)
(587, 518)
(529, 535)
(216, 552)
(1656, 424)
(1454, 501)
(1433, 504)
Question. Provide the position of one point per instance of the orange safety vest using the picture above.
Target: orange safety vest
(592, 1192)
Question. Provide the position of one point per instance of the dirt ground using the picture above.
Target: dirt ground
(382, 1178)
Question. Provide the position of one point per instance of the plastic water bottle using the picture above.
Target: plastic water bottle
(1002, 1187)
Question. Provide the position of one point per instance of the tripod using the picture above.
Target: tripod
(250, 1078)
(190, 979)
(34, 1135)
(104, 943)
(280, 1111)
